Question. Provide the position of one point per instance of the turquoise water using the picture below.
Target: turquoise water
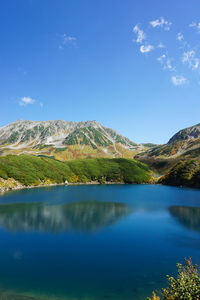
(96, 242)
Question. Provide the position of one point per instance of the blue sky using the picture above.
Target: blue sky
(133, 65)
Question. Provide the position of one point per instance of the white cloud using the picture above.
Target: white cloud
(196, 64)
(161, 22)
(196, 26)
(161, 58)
(172, 58)
(192, 61)
(178, 80)
(41, 104)
(169, 65)
(166, 62)
(180, 36)
(66, 39)
(187, 56)
(146, 49)
(193, 24)
(141, 36)
(26, 100)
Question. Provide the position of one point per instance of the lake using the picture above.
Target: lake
(95, 241)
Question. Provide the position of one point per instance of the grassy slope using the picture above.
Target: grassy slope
(72, 151)
(159, 165)
(32, 170)
(184, 173)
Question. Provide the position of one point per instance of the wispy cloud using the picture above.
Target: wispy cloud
(195, 26)
(166, 62)
(179, 57)
(178, 80)
(26, 100)
(65, 40)
(161, 58)
(146, 49)
(141, 36)
(180, 36)
(190, 59)
(161, 22)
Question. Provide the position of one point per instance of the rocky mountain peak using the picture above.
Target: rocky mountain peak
(23, 134)
(192, 132)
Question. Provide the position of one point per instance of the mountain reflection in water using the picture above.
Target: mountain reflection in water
(86, 216)
(187, 216)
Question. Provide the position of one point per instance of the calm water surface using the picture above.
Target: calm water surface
(96, 242)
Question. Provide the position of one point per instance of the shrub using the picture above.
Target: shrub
(33, 170)
(186, 286)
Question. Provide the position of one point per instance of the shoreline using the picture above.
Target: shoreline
(23, 187)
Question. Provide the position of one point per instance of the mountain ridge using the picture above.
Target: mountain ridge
(186, 133)
(26, 136)
(176, 162)
(183, 144)
(65, 140)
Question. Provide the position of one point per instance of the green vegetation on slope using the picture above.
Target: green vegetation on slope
(159, 165)
(88, 136)
(184, 173)
(33, 170)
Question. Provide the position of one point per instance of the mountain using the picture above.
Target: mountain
(189, 133)
(183, 144)
(65, 140)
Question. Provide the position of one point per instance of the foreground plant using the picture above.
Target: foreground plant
(186, 286)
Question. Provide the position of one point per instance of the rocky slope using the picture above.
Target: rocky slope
(65, 140)
(71, 140)
(189, 133)
(184, 144)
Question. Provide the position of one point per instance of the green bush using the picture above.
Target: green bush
(186, 286)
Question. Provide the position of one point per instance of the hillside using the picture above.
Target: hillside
(65, 140)
(56, 142)
(184, 173)
(183, 144)
(30, 170)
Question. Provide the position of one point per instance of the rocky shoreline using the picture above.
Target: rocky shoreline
(21, 187)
